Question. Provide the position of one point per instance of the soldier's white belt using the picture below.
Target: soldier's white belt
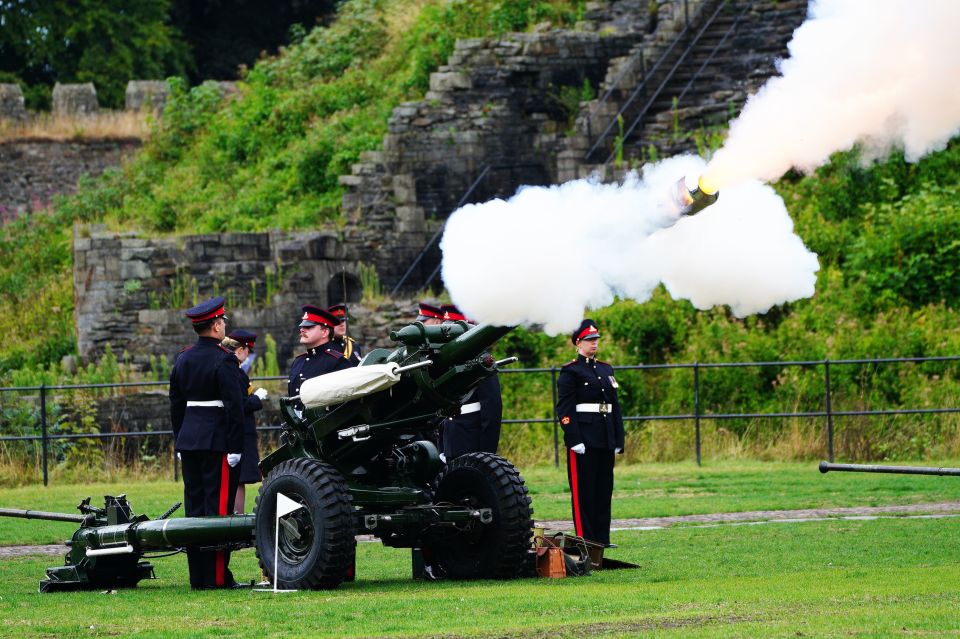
(213, 403)
(595, 408)
(466, 409)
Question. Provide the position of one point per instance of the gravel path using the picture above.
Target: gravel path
(649, 523)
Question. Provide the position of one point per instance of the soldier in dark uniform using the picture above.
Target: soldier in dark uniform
(206, 412)
(320, 358)
(242, 342)
(477, 427)
(592, 432)
(341, 341)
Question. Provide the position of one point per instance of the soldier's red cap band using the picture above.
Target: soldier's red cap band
(454, 316)
(430, 314)
(319, 319)
(587, 331)
(210, 315)
(338, 313)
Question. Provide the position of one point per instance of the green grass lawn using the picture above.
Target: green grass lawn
(889, 577)
(648, 490)
(896, 576)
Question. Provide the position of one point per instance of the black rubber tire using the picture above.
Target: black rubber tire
(320, 556)
(497, 550)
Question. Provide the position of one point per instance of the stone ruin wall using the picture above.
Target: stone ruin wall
(130, 291)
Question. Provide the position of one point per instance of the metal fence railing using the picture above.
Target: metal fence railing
(42, 395)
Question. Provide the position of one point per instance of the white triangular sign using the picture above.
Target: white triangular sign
(285, 505)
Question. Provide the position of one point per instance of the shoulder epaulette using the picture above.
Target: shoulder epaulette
(604, 363)
(185, 349)
(299, 355)
(333, 353)
(224, 349)
(572, 361)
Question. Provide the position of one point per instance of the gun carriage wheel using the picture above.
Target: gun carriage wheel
(317, 543)
(494, 550)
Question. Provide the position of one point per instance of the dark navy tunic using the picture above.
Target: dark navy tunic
(207, 372)
(315, 362)
(588, 381)
(340, 343)
(477, 431)
(250, 461)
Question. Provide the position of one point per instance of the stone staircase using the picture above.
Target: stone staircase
(680, 82)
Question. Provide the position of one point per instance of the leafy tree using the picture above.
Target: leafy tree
(107, 42)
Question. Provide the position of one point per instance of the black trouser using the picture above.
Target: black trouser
(209, 488)
(591, 489)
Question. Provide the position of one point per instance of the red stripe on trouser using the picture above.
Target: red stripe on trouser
(222, 511)
(575, 489)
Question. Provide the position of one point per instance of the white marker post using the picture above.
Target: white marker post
(285, 506)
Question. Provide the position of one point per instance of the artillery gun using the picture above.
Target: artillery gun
(106, 551)
(826, 467)
(361, 457)
(370, 465)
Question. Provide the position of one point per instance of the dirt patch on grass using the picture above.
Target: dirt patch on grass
(769, 515)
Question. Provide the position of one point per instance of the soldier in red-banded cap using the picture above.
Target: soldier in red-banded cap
(428, 314)
(316, 331)
(341, 341)
(206, 412)
(592, 425)
(477, 427)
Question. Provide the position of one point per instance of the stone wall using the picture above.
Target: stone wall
(131, 291)
(33, 171)
(491, 120)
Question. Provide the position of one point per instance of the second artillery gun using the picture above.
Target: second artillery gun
(370, 464)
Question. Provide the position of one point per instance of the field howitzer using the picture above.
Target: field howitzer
(826, 467)
(107, 550)
(362, 457)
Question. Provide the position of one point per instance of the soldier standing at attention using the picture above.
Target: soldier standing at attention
(341, 341)
(477, 427)
(241, 342)
(206, 412)
(320, 358)
(592, 432)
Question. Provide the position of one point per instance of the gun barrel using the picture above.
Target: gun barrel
(691, 195)
(896, 470)
(41, 514)
(470, 344)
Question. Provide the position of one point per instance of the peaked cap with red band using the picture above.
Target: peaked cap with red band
(452, 313)
(588, 330)
(339, 311)
(314, 316)
(206, 310)
(245, 338)
(426, 311)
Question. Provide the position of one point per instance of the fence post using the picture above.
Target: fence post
(696, 405)
(556, 428)
(826, 384)
(44, 444)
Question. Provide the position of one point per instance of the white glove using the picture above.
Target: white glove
(443, 458)
(618, 450)
(579, 449)
(178, 457)
(261, 393)
(233, 459)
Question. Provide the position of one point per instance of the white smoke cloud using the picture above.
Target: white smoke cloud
(879, 72)
(547, 253)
